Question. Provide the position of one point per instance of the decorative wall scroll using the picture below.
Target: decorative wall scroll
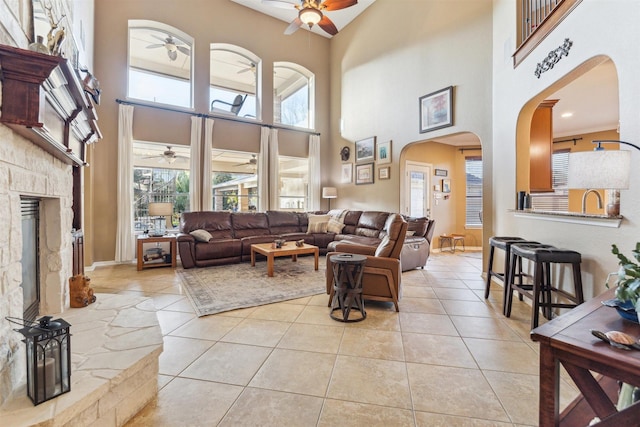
(553, 58)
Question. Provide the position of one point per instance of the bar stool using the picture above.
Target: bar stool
(540, 291)
(503, 243)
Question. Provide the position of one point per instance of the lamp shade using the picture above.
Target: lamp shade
(606, 169)
(329, 192)
(160, 209)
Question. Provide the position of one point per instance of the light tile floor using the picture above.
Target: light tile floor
(449, 358)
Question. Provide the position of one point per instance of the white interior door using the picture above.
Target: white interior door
(418, 187)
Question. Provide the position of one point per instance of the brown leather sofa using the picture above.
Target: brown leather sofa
(381, 278)
(233, 233)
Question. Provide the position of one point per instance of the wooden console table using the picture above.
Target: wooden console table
(567, 340)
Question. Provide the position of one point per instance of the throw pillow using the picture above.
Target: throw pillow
(201, 235)
(318, 223)
(334, 226)
(410, 233)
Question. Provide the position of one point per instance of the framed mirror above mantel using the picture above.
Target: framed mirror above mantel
(44, 101)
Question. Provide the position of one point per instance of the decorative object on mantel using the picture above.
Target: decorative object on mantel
(436, 110)
(38, 46)
(553, 58)
(48, 357)
(607, 169)
(628, 284)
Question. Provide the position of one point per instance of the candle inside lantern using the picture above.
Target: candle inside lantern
(46, 377)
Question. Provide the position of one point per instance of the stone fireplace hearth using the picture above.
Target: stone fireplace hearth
(27, 170)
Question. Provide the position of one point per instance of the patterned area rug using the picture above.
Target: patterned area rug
(229, 287)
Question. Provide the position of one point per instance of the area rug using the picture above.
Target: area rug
(229, 287)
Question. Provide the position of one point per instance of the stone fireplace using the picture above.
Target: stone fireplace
(27, 170)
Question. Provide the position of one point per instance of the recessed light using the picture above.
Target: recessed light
(565, 115)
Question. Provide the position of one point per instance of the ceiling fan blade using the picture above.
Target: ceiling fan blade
(283, 4)
(337, 4)
(327, 25)
(293, 27)
(184, 50)
(154, 46)
(157, 37)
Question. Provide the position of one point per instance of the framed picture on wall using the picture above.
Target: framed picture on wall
(384, 173)
(347, 173)
(365, 149)
(383, 152)
(446, 186)
(364, 174)
(436, 110)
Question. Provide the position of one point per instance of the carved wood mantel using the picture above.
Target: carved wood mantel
(44, 101)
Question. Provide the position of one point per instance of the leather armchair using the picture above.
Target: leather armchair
(382, 276)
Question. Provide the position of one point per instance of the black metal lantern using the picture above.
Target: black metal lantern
(48, 359)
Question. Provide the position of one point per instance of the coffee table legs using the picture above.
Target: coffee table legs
(270, 265)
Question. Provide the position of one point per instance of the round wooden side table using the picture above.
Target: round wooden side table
(347, 288)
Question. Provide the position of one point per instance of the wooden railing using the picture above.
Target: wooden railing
(536, 19)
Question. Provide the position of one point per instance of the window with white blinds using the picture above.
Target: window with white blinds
(473, 169)
(558, 200)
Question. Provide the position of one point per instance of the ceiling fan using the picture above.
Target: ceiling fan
(168, 156)
(172, 45)
(310, 12)
(248, 66)
(253, 162)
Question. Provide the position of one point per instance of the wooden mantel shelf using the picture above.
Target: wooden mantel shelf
(44, 101)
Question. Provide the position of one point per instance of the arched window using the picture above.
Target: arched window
(234, 77)
(293, 95)
(160, 64)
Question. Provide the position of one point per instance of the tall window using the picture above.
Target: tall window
(160, 175)
(473, 169)
(293, 180)
(293, 95)
(233, 81)
(558, 200)
(160, 64)
(234, 180)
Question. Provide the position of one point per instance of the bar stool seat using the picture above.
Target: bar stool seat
(540, 291)
(504, 243)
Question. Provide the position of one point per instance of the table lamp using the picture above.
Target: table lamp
(160, 210)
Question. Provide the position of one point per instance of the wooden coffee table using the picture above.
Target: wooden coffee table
(289, 249)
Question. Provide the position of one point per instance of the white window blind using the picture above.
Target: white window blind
(473, 169)
(558, 200)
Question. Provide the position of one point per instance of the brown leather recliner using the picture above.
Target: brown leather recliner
(381, 277)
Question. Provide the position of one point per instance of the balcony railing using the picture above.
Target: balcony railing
(536, 19)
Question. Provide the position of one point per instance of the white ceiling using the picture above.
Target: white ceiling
(339, 17)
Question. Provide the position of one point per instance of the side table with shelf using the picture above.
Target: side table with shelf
(156, 256)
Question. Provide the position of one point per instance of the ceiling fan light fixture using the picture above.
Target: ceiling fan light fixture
(310, 16)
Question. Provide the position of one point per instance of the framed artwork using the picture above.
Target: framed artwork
(383, 173)
(383, 152)
(347, 173)
(365, 149)
(441, 172)
(364, 174)
(446, 186)
(436, 110)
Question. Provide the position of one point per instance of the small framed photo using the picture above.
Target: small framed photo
(383, 152)
(441, 172)
(446, 186)
(365, 150)
(364, 174)
(436, 110)
(347, 173)
(383, 173)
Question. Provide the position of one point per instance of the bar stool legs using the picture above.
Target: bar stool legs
(541, 291)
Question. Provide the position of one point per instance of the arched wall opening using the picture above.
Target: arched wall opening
(449, 187)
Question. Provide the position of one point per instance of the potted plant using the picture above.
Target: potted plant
(628, 282)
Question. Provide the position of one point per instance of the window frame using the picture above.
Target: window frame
(307, 78)
(473, 219)
(281, 185)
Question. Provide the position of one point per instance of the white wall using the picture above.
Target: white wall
(598, 28)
